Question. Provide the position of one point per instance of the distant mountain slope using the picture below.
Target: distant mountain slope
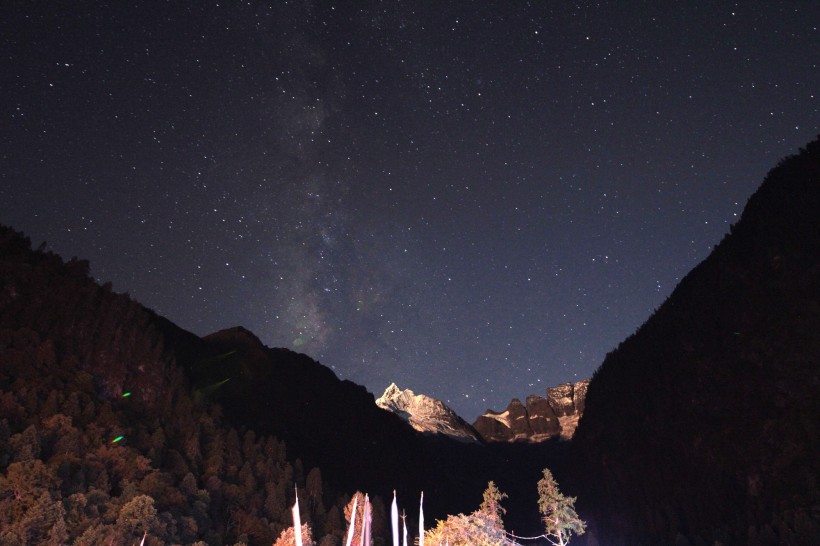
(426, 414)
(337, 426)
(705, 424)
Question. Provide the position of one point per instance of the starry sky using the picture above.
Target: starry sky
(475, 200)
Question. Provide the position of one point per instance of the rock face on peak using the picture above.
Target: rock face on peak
(567, 401)
(540, 419)
(426, 414)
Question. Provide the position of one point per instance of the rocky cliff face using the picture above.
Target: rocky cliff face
(426, 414)
(539, 419)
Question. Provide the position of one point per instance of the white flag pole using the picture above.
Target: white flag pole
(297, 521)
(394, 519)
(352, 521)
(421, 520)
(368, 520)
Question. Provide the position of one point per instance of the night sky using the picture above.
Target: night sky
(475, 200)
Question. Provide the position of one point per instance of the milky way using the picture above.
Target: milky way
(475, 200)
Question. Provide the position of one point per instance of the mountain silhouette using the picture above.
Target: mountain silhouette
(704, 425)
(336, 425)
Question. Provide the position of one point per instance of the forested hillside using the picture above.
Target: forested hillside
(114, 423)
(703, 425)
(101, 439)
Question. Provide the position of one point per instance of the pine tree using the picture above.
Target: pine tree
(288, 537)
(557, 511)
(491, 505)
(481, 528)
(139, 516)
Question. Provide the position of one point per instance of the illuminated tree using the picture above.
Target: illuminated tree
(491, 506)
(557, 511)
(481, 528)
(139, 516)
(288, 537)
(358, 529)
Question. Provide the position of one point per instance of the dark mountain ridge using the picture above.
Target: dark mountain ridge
(703, 425)
(336, 425)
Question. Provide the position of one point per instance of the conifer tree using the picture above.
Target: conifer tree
(481, 528)
(491, 505)
(557, 511)
(288, 537)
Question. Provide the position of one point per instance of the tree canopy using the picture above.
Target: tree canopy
(557, 511)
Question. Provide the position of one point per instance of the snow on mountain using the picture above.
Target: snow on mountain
(426, 414)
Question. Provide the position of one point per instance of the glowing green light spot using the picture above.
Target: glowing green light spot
(117, 439)
(126, 394)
